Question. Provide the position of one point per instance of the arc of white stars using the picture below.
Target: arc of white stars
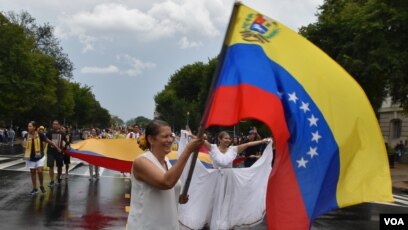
(312, 152)
(313, 120)
(305, 107)
(316, 136)
(280, 94)
(293, 97)
(302, 162)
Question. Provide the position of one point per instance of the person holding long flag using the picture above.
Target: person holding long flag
(155, 182)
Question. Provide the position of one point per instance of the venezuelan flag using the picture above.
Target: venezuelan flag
(117, 154)
(329, 149)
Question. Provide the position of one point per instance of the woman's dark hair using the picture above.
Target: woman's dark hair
(152, 129)
(33, 123)
(222, 134)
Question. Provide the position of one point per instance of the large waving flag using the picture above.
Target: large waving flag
(329, 149)
(117, 154)
(114, 154)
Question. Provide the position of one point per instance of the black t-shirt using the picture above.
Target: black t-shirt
(42, 140)
(57, 138)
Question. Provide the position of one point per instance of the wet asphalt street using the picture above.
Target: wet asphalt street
(76, 204)
(82, 204)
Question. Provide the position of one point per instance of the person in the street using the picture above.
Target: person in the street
(218, 196)
(93, 169)
(55, 155)
(67, 144)
(41, 129)
(12, 135)
(223, 154)
(253, 152)
(33, 143)
(155, 183)
(5, 133)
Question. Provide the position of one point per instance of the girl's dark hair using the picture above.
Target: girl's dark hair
(33, 123)
(152, 129)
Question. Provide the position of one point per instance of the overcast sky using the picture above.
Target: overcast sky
(127, 50)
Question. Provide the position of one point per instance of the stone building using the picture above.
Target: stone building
(393, 123)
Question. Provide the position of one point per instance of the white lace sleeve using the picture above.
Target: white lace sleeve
(223, 160)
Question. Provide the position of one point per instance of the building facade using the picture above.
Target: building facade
(393, 123)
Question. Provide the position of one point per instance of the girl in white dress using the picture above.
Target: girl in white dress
(223, 155)
(155, 183)
(225, 197)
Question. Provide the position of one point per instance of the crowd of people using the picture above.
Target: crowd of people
(7, 136)
(45, 148)
(155, 182)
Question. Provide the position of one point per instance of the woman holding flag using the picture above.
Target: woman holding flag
(155, 182)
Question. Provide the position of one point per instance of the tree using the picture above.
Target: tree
(27, 76)
(45, 41)
(183, 99)
(368, 38)
(35, 78)
(142, 121)
(116, 121)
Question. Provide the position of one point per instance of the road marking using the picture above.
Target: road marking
(11, 163)
(75, 164)
(400, 201)
(401, 197)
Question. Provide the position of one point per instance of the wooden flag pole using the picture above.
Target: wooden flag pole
(209, 99)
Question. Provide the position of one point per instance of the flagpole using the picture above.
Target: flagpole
(209, 98)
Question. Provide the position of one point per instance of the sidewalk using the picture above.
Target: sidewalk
(399, 175)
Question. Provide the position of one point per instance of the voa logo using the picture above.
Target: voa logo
(393, 221)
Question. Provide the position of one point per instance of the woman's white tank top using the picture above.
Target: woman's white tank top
(152, 208)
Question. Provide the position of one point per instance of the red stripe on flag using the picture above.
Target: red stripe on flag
(247, 102)
(250, 102)
(282, 185)
(109, 163)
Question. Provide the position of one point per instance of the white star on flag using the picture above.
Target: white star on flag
(293, 97)
(302, 163)
(316, 136)
(312, 152)
(305, 107)
(313, 120)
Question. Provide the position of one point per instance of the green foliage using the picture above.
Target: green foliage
(368, 38)
(116, 121)
(141, 121)
(183, 99)
(35, 78)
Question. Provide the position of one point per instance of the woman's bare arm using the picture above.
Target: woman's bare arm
(146, 171)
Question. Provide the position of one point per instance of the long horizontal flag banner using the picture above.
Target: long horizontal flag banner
(117, 154)
(329, 149)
